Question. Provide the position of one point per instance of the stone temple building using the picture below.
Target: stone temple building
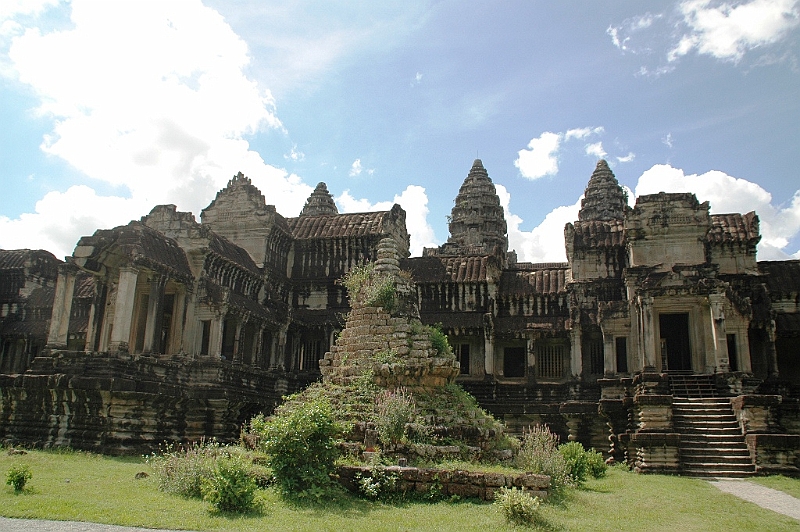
(661, 341)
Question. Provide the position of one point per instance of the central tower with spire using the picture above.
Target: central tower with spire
(477, 223)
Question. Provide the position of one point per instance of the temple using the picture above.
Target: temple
(661, 341)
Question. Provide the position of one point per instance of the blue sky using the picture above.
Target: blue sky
(110, 108)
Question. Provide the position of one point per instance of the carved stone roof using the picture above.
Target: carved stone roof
(598, 234)
(231, 252)
(139, 244)
(241, 187)
(342, 225)
(527, 282)
(603, 199)
(477, 218)
(38, 260)
(735, 227)
(438, 269)
(320, 202)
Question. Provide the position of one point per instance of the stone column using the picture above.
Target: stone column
(648, 328)
(576, 352)
(609, 355)
(718, 330)
(123, 309)
(488, 344)
(155, 315)
(62, 307)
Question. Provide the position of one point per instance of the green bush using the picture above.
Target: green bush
(597, 464)
(18, 476)
(582, 463)
(369, 287)
(439, 340)
(182, 469)
(393, 409)
(577, 462)
(301, 447)
(377, 484)
(539, 454)
(517, 506)
(230, 488)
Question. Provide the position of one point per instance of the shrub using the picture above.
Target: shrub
(182, 469)
(597, 465)
(517, 506)
(377, 484)
(364, 284)
(539, 454)
(394, 410)
(301, 448)
(577, 462)
(18, 476)
(439, 340)
(230, 488)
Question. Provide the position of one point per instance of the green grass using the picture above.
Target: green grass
(86, 487)
(781, 483)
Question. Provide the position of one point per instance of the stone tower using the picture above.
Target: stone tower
(477, 223)
(604, 198)
(320, 202)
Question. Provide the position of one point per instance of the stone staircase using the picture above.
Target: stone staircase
(695, 386)
(712, 443)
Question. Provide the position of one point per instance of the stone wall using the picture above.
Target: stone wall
(465, 484)
(129, 406)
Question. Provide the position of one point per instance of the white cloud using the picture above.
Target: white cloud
(724, 30)
(540, 158)
(294, 154)
(729, 194)
(417, 79)
(355, 168)
(727, 31)
(667, 141)
(60, 217)
(545, 243)
(14, 8)
(583, 132)
(414, 201)
(626, 159)
(596, 149)
(163, 116)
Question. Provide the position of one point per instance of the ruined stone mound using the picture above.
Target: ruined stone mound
(384, 346)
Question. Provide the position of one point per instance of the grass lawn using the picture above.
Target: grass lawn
(87, 487)
(781, 483)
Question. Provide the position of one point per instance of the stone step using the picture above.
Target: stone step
(711, 421)
(709, 455)
(713, 472)
(721, 440)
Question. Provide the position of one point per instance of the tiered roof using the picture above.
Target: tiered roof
(320, 202)
(603, 199)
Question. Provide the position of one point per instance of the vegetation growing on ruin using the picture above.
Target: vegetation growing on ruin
(67, 485)
(371, 287)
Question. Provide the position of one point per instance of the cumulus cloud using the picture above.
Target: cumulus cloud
(545, 243)
(355, 168)
(727, 31)
(163, 116)
(414, 201)
(540, 157)
(723, 30)
(596, 149)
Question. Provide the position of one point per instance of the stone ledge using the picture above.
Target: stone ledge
(466, 484)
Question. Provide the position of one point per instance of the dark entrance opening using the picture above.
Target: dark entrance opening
(674, 329)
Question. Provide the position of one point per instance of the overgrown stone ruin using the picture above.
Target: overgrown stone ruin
(385, 345)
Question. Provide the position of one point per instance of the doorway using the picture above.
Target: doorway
(676, 351)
